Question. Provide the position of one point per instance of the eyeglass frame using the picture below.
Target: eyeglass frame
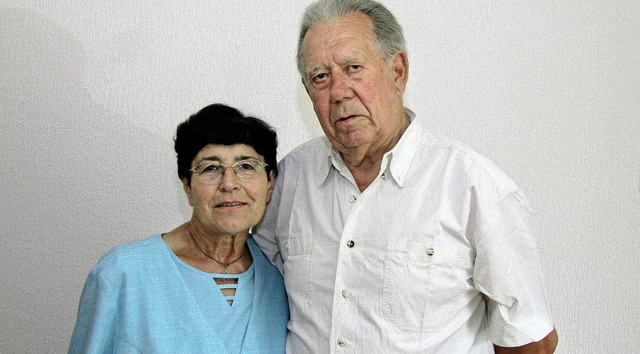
(232, 166)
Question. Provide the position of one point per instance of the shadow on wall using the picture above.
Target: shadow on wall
(77, 179)
(307, 115)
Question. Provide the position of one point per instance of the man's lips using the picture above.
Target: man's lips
(347, 118)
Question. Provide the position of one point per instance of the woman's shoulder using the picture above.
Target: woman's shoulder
(136, 252)
(260, 260)
(255, 250)
(135, 246)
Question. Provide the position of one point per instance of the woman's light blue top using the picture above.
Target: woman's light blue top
(141, 298)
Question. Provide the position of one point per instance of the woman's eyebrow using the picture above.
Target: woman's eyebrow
(215, 158)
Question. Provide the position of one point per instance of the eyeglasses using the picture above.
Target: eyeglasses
(245, 169)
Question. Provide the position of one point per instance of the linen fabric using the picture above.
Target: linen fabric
(141, 298)
(435, 256)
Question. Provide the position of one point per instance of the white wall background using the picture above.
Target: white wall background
(91, 92)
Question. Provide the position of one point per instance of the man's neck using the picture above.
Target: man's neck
(363, 168)
(364, 162)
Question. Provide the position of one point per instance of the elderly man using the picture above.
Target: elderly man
(392, 239)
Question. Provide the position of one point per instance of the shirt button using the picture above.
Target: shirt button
(345, 293)
(430, 251)
(350, 243)
(352, 199)
(384, 176)
(341, 342)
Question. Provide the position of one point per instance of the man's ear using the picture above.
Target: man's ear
(187, 190)
(400, 67)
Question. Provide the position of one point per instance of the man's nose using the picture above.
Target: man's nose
(340, 87)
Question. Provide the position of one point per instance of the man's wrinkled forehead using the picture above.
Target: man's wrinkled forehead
(337, 36)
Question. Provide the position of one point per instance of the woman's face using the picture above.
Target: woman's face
(227, 205)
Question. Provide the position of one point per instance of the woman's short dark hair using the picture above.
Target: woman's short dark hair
(224, 125)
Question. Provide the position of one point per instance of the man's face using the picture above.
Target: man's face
(356, 95)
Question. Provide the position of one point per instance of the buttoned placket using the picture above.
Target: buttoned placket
(343, 328)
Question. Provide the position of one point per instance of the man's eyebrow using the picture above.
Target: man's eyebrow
(348, 60)
(314, 69)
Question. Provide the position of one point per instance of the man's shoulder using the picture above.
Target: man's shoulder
(309, 152)
(462, 157)
(316, 145)
(436, 142)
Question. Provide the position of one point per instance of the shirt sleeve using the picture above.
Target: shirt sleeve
(96, 325)
(508, 273)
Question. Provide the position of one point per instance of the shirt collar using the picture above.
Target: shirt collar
(395, 162)
(398, 160)
(335, 160)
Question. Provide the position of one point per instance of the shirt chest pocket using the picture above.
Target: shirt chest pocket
(298, 268)
(425, 283)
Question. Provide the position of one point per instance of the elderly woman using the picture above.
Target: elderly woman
(204, 287)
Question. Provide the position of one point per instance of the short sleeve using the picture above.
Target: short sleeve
(97, 320)
(508, 272)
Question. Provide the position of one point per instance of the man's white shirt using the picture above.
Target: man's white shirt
(436, 256)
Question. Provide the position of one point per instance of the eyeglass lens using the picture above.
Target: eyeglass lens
(244, 169)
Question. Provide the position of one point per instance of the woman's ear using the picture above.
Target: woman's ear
(271, 182)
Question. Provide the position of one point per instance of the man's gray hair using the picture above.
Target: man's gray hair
(386, 29)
